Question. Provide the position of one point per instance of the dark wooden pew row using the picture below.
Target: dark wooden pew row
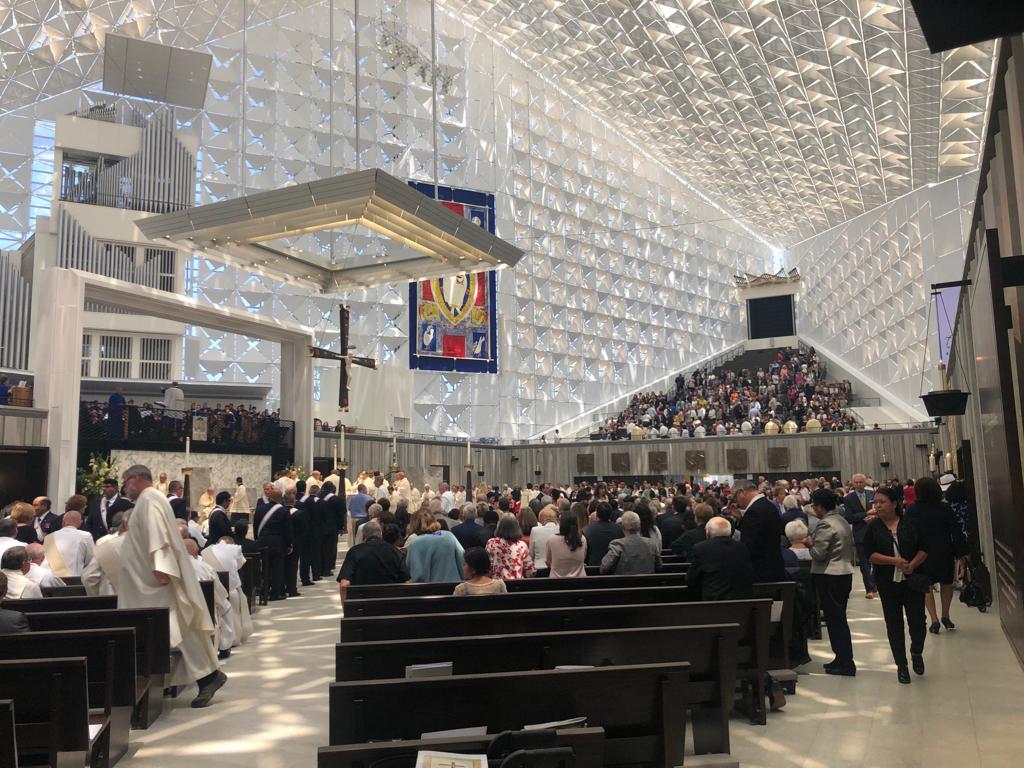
(51, 712)
(586, 743)
(152, 648)
(111, 669)
(8, 744)
(711, 651)
(207, 588)
(364, 592)
(248, 574)
(515, 601)
(60, 604)
(595, 570)
(753, 616)
(260, 581)
(642, 708)
(69, 590)
(782, 631)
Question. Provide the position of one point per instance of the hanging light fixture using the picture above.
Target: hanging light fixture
(942, 402)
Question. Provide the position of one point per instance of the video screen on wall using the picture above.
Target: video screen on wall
(770, 317)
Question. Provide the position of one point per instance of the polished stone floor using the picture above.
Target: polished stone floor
(965, 713)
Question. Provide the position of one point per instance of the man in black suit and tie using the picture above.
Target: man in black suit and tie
(219, 522)
(47, 521)
(300, 533)
(103, 509)
(332, 520)
(720, 567)
(274, 531)
(263, 501)
(311, 550)
(858, 509)
(761, 532)
(175, 491)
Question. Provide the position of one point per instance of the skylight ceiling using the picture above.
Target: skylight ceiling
(795, 115)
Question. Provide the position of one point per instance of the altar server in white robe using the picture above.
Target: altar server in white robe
(402, 486)
(224, 634)
(14, 563)
(38, 570)
(156, 573)
(70, 549)
(102, 574)
(225, 555)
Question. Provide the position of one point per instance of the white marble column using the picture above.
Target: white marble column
(297, 395)
(55, 358)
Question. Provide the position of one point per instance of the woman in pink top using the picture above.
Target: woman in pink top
(510, 555)
(567, 549)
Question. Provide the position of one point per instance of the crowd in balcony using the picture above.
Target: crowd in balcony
(789, 395)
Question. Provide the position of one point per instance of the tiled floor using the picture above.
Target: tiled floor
(965, 713)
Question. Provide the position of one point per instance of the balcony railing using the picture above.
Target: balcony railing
(151, 427)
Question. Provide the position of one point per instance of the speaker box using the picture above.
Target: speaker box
(946, 402)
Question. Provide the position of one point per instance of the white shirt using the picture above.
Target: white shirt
(6, 542)
(174, 399)
(538, 543)
(21, 587)
(43, 576)
(196, 533)
(447, 501)
(381, 492)
(76, 547)
(699, 431)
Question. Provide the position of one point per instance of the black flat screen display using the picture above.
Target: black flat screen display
(770, 317)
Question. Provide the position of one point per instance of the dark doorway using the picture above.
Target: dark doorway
(23, 474)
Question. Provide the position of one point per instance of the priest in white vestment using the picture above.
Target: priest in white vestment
(224, 633)
(156, 573)
(207, 501)
(70, 549)
(227, 556)
(102, 574)
(240, 498)
(402, 486)
(38, 570)
(14, 563)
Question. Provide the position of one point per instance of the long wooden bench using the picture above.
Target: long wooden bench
(595, 570)
(69, 590)
(60, 604)
(8, 744)
(642, 708)
(711, 651)
(152, 648)
(367, 591)
(51, 712)
(753, 616)
(515, 601)
(587, 745)
(111, 669)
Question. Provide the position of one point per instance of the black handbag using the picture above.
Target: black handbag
(918, 582)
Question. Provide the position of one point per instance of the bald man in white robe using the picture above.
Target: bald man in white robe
(156, 572)
(69, 549)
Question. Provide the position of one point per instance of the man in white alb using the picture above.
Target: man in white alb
(224, 633)
(447, 498)
(15, 564)
(163, 485)
(102, 575)
(69, 550)
(225, 555)
(155, 573)
(38, 570)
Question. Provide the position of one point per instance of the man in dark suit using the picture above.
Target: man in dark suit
(10, 621)
(274, 531)
(103, 509)
(47, 521)
(468, 532)
(761, 532)
(601, 533)
(219, 523)
(859, 512)
(671, 522)
(332, 520)
(720, 567)
(311, 550)
(300, 533)
(175, 491)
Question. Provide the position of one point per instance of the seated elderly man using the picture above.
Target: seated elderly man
(720, 567)
(38, 570)
(375, 561)
(632, 553)
(10, 621)
(69, 549)
(15, 565)
(103, 572)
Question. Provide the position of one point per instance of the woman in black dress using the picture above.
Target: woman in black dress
(943, 539)
(895, 549)
(24, 515)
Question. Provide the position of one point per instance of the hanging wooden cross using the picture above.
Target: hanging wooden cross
(346, 357)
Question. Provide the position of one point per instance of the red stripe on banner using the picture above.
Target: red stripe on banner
(481, 288)
(428, 293)
(454, 346)
(457, 207)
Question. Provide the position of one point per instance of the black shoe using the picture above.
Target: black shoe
(934, 628)
(276, 597)
(903, 675)
(294, 594)
(949, 625)
(829, 664)
(307, 584)
(842, 670)
(918, 663)
(207, 691)
(225, 654)
(801, 662)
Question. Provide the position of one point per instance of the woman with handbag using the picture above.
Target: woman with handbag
(945, 542)
(894, 547)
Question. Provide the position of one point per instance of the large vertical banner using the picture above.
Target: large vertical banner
(454, 320)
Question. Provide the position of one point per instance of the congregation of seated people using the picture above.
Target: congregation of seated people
(790, 395)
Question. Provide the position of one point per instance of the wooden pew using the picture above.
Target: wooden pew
(515, 601)
(364, 592)
(51, 711)
(111, 670)
(60, 604)
(711, 650)
(783, 592)
(152, 648)
(261, 573)
(247, 574)
(586, 743)
(641, 707)
(595, 570)
(207, 589)
(69, 590)
(753, 616)
(8, 744)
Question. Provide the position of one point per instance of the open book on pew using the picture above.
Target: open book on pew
(572, 722)
(426, 758)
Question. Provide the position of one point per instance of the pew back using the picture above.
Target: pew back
(54, 604)
(8, 743)
(51, 707)
(363, 592)
(641, 708)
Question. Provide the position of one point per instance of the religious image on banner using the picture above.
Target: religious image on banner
(453, 320)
